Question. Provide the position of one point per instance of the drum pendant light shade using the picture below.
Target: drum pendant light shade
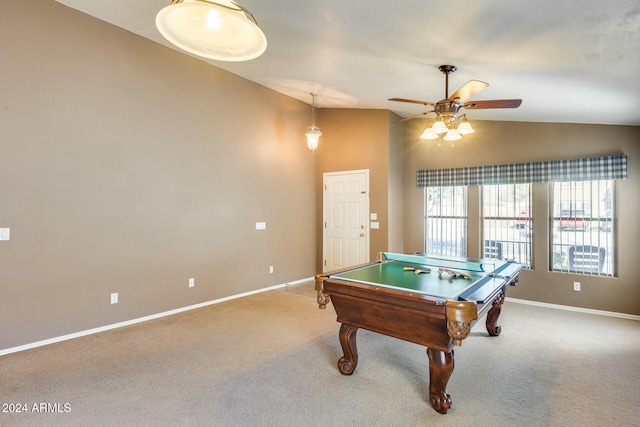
(220, 30)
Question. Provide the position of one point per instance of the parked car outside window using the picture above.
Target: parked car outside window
(573, 219)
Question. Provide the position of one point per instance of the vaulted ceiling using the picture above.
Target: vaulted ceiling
(571, 61)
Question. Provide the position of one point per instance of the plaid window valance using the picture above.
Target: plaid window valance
(592, 169)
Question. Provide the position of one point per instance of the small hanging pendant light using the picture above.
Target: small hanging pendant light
(313, 133)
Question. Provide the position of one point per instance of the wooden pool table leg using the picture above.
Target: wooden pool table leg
(322, 298)
(492, 316)
(440, 370)
(348, 362)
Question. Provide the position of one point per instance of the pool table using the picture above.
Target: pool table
(431, 301)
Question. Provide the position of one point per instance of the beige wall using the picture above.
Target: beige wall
(396, 185)
(128, 167)
(354, 140)
(514, 142)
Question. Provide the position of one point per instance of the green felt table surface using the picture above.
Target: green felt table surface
(392, 274)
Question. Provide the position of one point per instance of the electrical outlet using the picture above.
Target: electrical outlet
(576, 286)
(192, 282)
(271, 269)
(114, 298)
(5, 233)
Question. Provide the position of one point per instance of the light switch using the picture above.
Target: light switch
(261, 225)
(375, 225)
(374, 216)
(5, 233)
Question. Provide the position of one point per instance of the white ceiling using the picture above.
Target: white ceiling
(571, 61)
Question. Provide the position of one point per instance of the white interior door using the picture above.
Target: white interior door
(345, 219)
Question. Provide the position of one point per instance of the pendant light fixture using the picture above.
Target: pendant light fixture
(221, 30)
(313, 133)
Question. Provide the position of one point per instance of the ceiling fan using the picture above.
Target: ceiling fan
(447, 109)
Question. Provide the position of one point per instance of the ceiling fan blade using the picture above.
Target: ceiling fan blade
(413, 101)
(496, 103)
(413, 116)
(467, 91)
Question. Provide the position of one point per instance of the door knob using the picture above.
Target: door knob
(361, 234)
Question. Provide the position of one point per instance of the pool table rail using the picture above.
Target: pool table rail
(407, 316)
(322, 297)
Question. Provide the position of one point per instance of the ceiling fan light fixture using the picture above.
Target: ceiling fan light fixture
(465, 128)
(447, 110)
(452, 135)
(428, 134)
(220, 30)
(439, 127)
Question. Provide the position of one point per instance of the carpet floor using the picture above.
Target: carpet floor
(269, 359)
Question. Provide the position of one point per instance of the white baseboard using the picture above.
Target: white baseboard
(301, 281)
(578, 309)
(143, 319)
(296, 282)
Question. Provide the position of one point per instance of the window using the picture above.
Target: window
(583, 232)
(507, 225)
(581, 210)
(446, 220)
